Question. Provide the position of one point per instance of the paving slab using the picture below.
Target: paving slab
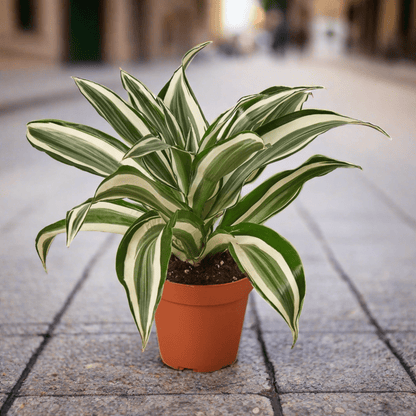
(347, 362)
(3, 398)
(379, 258)
(357, 404)
(15, 352)
(158, 405)
(329, 307)
(113, 364)
(405, 343)
(24, 281)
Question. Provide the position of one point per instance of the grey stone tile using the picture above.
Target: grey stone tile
(83, 328)
(387, 286)
(29, 295)
(329, 307)
(3, 398)
(114, 364)
(386, 404)
(335, 362)
(102, 300)
(13, 329)
(158, 405)
(405, 343)
(15, 352)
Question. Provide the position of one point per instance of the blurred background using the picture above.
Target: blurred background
(50, 32)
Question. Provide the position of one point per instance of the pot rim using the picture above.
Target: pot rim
(206, 295)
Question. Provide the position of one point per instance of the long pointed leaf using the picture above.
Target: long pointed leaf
(141, 264)
(189, 234)
(276, 193)
(274, 268)
(112, 216)
(283, 137)
(148, 144)
(154, 109)
(293, 132)
(214, 163)
(128, 182)
(81, 146)
(253, 111)
(180, 99)
(124, 119)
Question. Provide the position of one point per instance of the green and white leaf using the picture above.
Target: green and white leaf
(214, 163)
(141, 264)
(253, 114)
(77, 145)
(128, 182)
(291, 133)
(276, 193)
(125, 120)
(181, 166)
(180, 99)
(154, 109)
(189, 235)
(111, 216)
(283, 137)
(147, 145)
(253, 111)
(274, 268)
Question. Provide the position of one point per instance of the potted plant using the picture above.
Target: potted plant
(172, 187)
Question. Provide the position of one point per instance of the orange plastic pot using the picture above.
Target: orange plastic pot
(199, 327)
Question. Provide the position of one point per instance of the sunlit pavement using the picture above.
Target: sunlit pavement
(68, 344)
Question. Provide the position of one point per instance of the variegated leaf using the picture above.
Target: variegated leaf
(148, 144)
(189, 234)
(141, 264)
(253, 114)
(217, 242)
(274, 268)
(222, 122)
(128, 182)
(291, 133)
(159, 165)
(112, 216)
(124, 119)
(181, 166)
(81, 146)
(154, 109)
(276, 193)
(282, 137)
(214, 163)
(253, 111)
(180, 99)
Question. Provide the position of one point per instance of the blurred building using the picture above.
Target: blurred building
(385, 28)
(104, 30)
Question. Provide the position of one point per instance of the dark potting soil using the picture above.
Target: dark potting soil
(214, 270)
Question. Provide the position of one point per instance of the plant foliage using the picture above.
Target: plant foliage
(183, 178)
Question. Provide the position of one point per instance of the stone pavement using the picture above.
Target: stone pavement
(68, 345)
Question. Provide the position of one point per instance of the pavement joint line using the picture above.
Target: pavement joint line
(56, 320)
(348, 392)
(409, 220)
(273, 396)
(317, 232)
(144, 395)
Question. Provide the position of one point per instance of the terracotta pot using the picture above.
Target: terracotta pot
(199, 327)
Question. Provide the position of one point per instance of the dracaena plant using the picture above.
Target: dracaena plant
(173, 184)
